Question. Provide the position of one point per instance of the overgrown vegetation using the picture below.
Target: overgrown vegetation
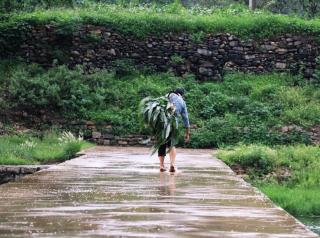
(269, 109)
(143, 20)
(289, 175)
(140, 21)
(305, 8)
(51, 147)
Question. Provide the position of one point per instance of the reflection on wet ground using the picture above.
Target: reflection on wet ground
(119, 192)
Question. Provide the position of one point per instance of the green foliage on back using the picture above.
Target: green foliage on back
(158, 114)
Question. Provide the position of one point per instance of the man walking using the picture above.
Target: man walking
(177, 101)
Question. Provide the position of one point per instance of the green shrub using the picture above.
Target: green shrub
(305, 115)
(302, 161)
(176, 59)
(267, 92)
(237, 104)
(59, 90)
(123, 67)
(214, 104)
(217, 132)
(70, 150)
(316, 75)
(197, 37)
(175, 7)
(255, 159)
(291, 97)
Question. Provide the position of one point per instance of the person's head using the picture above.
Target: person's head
(180, 91)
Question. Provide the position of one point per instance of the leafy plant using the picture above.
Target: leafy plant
(68, 137)
(197, 37)
(123, 67)
(317, 73)
(158, 114)
(177, 59)
(175, 7)
(93, 37)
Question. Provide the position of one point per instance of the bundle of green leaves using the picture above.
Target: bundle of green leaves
(159, 115)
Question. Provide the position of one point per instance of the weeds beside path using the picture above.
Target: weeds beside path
(27, 149)
(289, 175)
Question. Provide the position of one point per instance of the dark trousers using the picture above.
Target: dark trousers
(163, 149)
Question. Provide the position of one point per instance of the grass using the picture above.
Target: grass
(298, 201)
(289, 175)
(28, 149)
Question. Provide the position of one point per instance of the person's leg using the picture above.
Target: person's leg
(173, 154)
(161, 155)
(161, 160)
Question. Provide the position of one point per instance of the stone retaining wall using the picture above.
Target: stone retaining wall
(208, 57)
(9, 173)
(103, 134)
(107, 138)
(129, 140)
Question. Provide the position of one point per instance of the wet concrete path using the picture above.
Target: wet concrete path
(119, 192)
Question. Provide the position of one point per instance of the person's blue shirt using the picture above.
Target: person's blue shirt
(181, 108)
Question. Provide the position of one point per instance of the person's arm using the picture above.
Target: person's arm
(185, 118)
(187, 135)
